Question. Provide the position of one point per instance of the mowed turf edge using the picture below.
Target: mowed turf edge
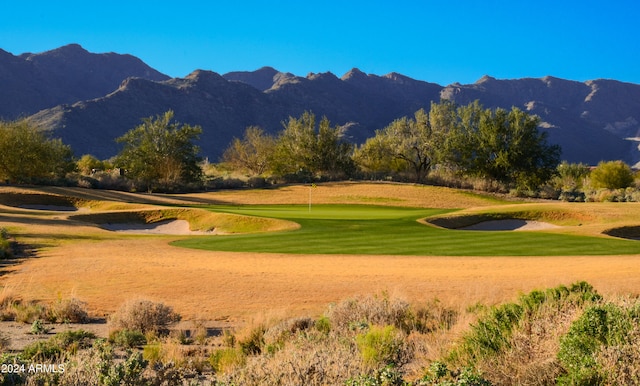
(380, 230)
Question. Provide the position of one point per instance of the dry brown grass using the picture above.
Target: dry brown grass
(104, 269)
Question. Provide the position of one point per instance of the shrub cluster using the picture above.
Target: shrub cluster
(562, 335)
(144, 316)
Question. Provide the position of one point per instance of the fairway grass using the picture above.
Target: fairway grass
(344, 247)
(380, 230)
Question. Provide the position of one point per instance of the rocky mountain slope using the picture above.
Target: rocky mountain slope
(32, 82)
(224, 108)
(592, 121)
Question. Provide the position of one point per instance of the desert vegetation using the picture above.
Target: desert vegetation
(560, 335)
(341, 283)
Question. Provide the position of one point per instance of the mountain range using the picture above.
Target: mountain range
(90, 99)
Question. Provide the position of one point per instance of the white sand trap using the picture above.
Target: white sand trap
(171, 227)
(510, 225)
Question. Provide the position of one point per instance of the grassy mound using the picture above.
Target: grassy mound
(28, 200)
(199, 220)
(547, 212)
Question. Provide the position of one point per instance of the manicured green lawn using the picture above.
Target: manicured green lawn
(364, 229)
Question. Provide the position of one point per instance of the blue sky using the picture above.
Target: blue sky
(436, 41)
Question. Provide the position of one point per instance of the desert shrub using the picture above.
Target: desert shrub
(226, 358)
(144, 316)
(323, 324)
(382, 346)
(152, 353)
(58, 346)
(612, 175)
(226, 183)
(100, 365)
(432, 317)
(492, 332)
(572, 195)
(68, 311)
(38, 327)
(253, 343)
(5, 341)
(309, 358)
(379, 310)
(28, 312)
(440, 375)
(571, 176)
(387, 376)
(7, 303)
(127, 338)
(601, 331)
(517, 343)
(127, 372)
(42, 351)
(276, 336)
(228, 339)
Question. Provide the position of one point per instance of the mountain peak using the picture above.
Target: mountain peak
(354, 73)
(485, 79)
(262, 79)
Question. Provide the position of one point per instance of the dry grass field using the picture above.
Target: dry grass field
(73, 258)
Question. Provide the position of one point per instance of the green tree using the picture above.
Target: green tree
(28, 155)
(502, 145)
(318, 150)
(612, 175)
(407, 144)
(253, 152)
(160, 153)
(572, 175)
(87, 163)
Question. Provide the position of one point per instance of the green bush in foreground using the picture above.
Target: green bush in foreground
(381, 346)
(492, 333)
(601, 328)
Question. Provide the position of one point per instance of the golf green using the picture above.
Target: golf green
(382, 230)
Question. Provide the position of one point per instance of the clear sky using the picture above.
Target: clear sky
(439, 41)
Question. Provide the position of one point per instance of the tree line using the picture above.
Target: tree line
(470, 141)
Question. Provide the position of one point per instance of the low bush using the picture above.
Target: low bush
(68, 311)
(254, 342)
(226, 358)
(29, 312)
(440, 375)
(144, 316)
(378, 310)
(603, 331)
(517, 343)
(58, 347)
(127, 338)
(382, 346)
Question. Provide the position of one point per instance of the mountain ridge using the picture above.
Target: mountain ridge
(32, 82)
(591, 120)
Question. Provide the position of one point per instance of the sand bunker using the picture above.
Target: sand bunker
(510, 225)
(170, 227)
(54, 208)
